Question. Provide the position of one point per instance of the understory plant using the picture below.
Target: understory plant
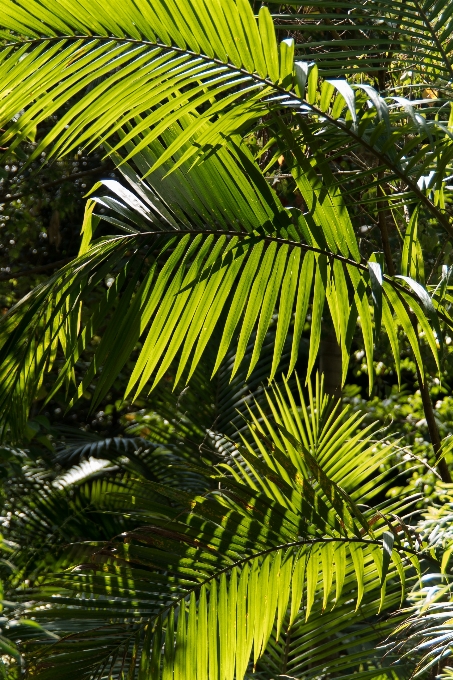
(284, 189)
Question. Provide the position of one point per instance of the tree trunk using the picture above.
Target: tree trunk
(330, 362)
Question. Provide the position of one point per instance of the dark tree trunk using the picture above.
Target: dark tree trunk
(330, 362)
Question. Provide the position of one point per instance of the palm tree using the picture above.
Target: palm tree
(281, 565)
(204, 259)
(206, 241)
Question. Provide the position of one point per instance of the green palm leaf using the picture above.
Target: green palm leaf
(211, 579)
(207, 269)
(150, 44)
(424, 636)
(176, 280)
(370, 38)
(151, 68)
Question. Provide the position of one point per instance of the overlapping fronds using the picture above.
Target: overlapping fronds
(156, 461)
(51, 504)
(201, 589)
(145, 54)
(425, 637)
(277, 560)
(174, 278)
(208, 245)
(47, 512)
(152, 65)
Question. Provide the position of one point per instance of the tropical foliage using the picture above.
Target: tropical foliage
(195, 270)
(281, 180)
(241, 574)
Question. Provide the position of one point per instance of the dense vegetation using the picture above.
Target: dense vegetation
(226, 339)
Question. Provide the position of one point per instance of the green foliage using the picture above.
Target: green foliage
(173, 280)
(176, 297)
(211, 578)
(425, 635)
(261, 205)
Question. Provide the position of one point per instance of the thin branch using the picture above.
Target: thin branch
(54, 183)
(433, 429)
(35, 270)
(382, 217)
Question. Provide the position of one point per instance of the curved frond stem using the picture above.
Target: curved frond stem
(282, 241)
(384, 159)
(286, 546)
(313, 541)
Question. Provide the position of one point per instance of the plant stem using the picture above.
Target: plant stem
(382, 221)
(286, 654)
(433, 430)
(436, 441)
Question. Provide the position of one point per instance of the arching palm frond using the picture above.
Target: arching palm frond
(44, 514)
(47, 507)
(425, 636)
(200, 423)
(78, 445)
(205, 244)
(154, 65)
(197, 260)
(278, 560)
(209, 580)
(139, 457)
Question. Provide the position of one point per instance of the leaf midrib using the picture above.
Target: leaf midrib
(444, 221)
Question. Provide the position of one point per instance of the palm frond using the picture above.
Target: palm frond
(151, 68)
(210, 579)
(44, 512)
(157, 461)
(425, 635)
(148, 48)
(177, 278)
(371, 38)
